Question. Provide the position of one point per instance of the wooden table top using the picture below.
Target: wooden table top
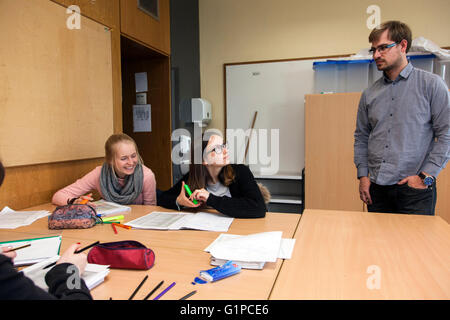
(360, 255)
(179, 256)
(337, 255)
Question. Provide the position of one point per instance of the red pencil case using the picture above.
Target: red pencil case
(122, 255)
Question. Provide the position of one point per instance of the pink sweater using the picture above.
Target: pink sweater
(91, 181)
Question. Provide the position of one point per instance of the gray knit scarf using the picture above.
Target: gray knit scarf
(114, 192)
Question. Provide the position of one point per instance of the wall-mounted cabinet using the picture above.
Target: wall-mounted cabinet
(104, 11)
(34, 184)
(142, 25)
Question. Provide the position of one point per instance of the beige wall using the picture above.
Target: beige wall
(252, 30)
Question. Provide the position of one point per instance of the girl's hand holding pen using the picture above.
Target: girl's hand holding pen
(6, 251)
(85, 200)
(200, 195)
(184, 201)
(78, 259)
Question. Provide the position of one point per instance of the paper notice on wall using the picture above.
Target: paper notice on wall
(142, 118)
(141, 81)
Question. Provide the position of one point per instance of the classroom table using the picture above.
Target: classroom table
(337, 255)
(361, 255)
(179, 256)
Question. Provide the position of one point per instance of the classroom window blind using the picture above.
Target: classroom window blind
(150, 7)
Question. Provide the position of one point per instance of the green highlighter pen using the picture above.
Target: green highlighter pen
(190, 193)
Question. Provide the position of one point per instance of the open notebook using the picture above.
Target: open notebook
(182, 220)
(40, 249)
(93, 275)
(105, 208)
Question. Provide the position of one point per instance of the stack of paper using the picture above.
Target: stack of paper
(183, 220)
(105, 208)
(10, 219)
(93, 275)
(40, 249)
(250, 251)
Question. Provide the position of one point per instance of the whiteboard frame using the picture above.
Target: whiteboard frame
(241, 79)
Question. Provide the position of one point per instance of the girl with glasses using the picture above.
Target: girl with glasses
(230, 189)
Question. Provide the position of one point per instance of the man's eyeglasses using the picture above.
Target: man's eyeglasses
(219, 148)
(382, 48)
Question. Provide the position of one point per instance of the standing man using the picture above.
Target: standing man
(402, 136)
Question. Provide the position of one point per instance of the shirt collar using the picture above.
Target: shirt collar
(404, 73)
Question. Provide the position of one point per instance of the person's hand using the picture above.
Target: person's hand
(182, 200)
(364, 193)
(77, 259)
(6, 252)
(200, 195)
(85, 200)
(414, 182)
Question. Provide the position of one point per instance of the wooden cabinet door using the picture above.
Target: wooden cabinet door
(330, 175)
(140, 26)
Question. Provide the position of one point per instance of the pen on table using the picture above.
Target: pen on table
(121, 225)
(138, 287)
(153, 291)
(21, 247)
(189, 295)
(190, 193)
(114, 228)
(78, 251)
(164, 291)
(88, 247)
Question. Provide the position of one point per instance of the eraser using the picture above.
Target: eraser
(226, 270)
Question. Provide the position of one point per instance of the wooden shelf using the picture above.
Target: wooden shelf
(285, 199)
(280, 177)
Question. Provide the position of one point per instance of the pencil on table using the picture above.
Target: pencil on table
(21, 247)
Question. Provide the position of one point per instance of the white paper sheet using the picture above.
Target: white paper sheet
(106, 208)
(208, 221)
(260, 247)
(141, 82)
(286, 248)
(142, 118)
(157, 220)
(93, 274)
(11, 219)
(40, 249)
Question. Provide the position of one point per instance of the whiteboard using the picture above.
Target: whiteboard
(276, 90)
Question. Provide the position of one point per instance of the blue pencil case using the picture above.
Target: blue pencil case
(226, 270)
